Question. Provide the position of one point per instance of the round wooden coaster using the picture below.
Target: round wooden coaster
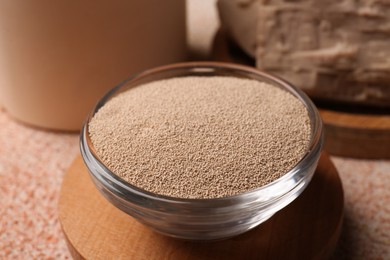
(362, 134)
(306, 229)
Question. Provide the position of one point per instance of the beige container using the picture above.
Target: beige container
(58, 57)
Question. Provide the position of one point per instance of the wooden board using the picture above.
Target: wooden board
(357, 135)
(349, 131)
(306, 229)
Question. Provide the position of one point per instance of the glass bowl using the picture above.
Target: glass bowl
(204, 219)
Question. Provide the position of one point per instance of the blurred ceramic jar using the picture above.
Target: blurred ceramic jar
(58, 57)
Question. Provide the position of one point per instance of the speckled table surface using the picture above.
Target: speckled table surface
(33, 162)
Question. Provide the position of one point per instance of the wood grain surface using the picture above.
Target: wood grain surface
(306, 229)
(357, 135)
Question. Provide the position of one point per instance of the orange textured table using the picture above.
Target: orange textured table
(33, 163)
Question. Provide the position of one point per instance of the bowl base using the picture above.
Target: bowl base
(307, 228)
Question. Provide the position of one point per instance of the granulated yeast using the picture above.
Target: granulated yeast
(201, 137)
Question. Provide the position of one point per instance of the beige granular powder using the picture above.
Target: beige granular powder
(201, 137)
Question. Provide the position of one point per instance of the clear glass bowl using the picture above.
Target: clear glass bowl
(204, 219)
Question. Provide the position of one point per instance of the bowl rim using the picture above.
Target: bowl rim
(312, 154)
